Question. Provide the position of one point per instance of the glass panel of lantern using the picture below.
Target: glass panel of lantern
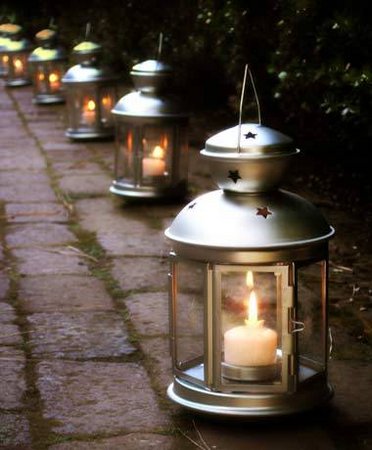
(91, 92)
(248, 288)
(15, 57)
(47, 64)
(151, 137)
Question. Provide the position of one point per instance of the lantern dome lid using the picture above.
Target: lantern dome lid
(87, 48)
(81, 73)
(10, 29)
(151, 76)
(150, 67)
(256, 141)
(46, 35)
(47, 51)
(244, 222)
(18, 45)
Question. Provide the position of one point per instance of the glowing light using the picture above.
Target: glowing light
(158, 152)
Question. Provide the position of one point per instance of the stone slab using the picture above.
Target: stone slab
(7, 313)
(149, 312)
(12, 379)
(79, 335)
(98, 398)
(4, 283)
(141, 273)
(121, 231)
(14, 432)
(9, 334)
(77, 168)
(132, 441)
(90, 184)
(52, 146)
(49, 261)
(35, 212)
(16, 187)
(62, 293)
(21, 161)
(38, 234)
(66, 156)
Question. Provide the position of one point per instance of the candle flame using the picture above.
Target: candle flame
(53, 77)
(130, 141)
(18, 64)
(106, 102)
(5, 59)
(252, 308)
(91, 105)
(41, 76)
(249, 279)
(164, 141)
(158, 152)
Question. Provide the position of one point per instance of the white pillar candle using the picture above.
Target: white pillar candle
(155, 164)
(251, 344)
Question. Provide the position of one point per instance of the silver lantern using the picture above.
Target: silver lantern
(47, 64)
(91, 92)
(248, 286)
(6, 31)
(14, 55)
(151, 137)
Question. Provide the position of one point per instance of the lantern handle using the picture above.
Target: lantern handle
(88, 29)
(160, 46)
(247, 70)
(51, 23)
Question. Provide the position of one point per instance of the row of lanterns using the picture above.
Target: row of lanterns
(249, 261)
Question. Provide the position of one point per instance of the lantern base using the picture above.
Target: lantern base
(47, 99)
(237, 404)
(17, 83)
(87, 135)
(148, 192)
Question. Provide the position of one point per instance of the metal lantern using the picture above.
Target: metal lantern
(6, 30)
(151, 137)
(91, 92)
(48, 64)
(248, 296)
(14, 55)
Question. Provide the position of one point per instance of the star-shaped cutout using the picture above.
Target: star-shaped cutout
(192, 205)
(250, 135)
(264, 212)
(234, 175)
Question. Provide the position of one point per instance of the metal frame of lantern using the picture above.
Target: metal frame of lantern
(151, 137)
(6, 30)
(16, 51)
(48, 65)
(91, 92)
(271, 360)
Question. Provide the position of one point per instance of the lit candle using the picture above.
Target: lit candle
(251, 344)
(18, 66)
(54, 81)
(155, 164)
(89, 112)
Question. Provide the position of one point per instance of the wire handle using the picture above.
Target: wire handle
(247, 70)
(88, 29)
(160, 47)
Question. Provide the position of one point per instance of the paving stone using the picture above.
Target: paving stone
(9, 334)
(132, 441)
(20, 160)
(52, 146)
(149, 312)
(91, 184)
(28, 235)
(49, 261)
(7, 313)
(77, 168)
(79, 335)
(118, 231)
(14, 432)
(97, 397)
(35, 212)
(29, 187)
(12, 378)
(141, 273)
(63, 293)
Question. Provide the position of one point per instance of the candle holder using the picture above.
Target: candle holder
(91, 92)
(47, 64)
(151, 137)
(248, 285)
(14, 55)
(6, 31)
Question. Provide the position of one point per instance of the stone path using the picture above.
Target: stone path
(84, 360)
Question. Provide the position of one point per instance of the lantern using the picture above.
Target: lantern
(91, 92)
(151, 137)
(6, 30)
(248, 295)
(48, 64)
(14, 55)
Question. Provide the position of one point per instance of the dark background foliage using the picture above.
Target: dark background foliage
(310, 58)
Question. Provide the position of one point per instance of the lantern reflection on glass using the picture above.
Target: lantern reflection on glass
(48, 64)
(91, 91)
(14, 54)
(248, 293)
(151, 137)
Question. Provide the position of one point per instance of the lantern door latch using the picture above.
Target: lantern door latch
(295, 326)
